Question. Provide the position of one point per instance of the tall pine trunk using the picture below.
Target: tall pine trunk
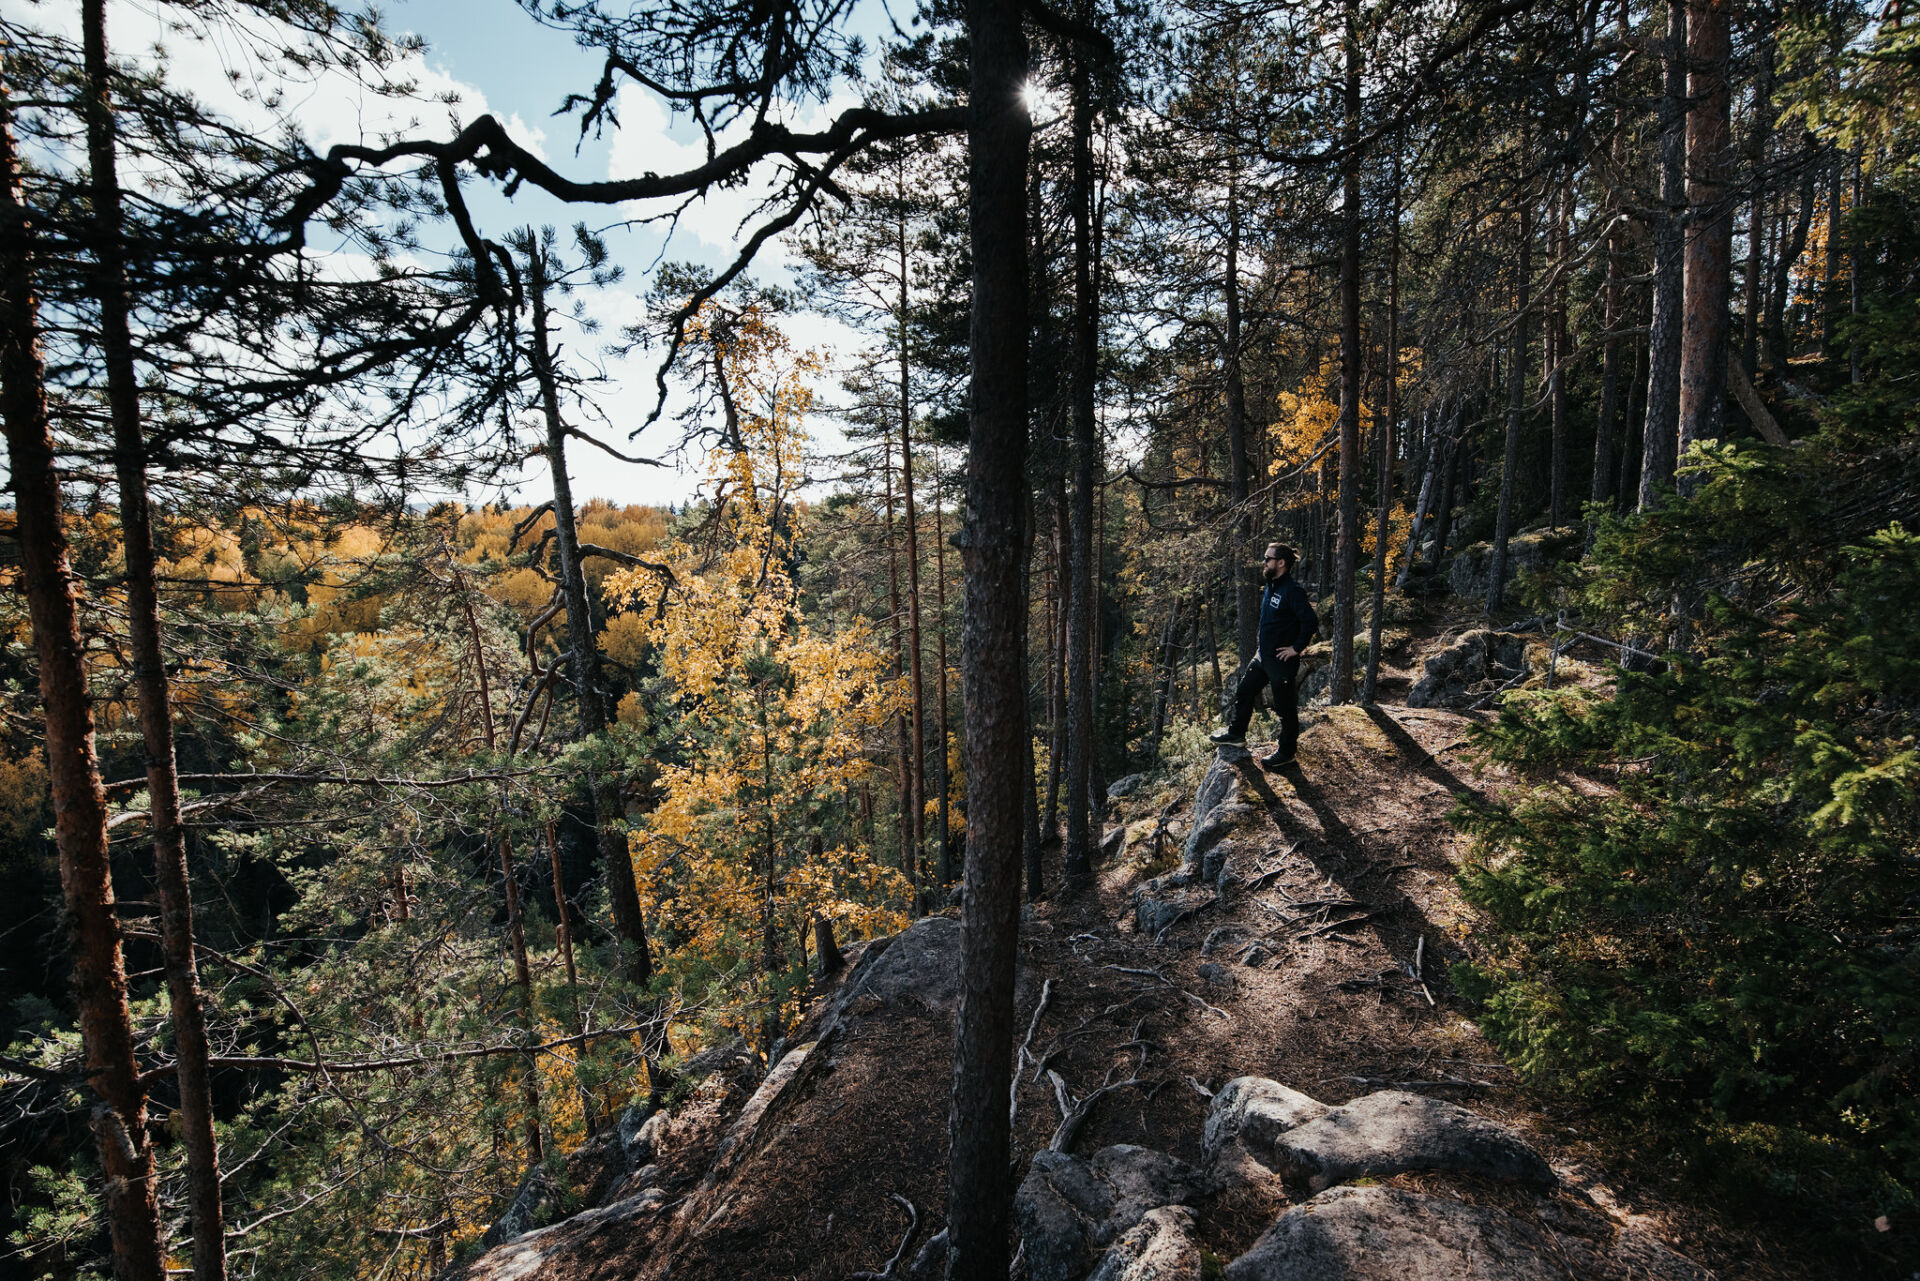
(980, 1142)
(1347, 546)
(916, 678)
(1754, 284)
(1246, 584)
(1081, 822)
(1709, 253)
(1659, 440)
(1516, 408)
(1383, 495)
(149, 664)
(73, 769)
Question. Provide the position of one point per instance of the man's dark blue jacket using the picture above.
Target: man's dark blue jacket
(1286, 617)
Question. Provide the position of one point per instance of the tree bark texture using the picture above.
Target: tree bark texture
(1659, 440)
(169, 835)
(1705, 344)
(944, 815)
(1246, 585)
(1077, 856)
(916, 678)
(1347, 544)
(1383, 492)
(1762, 123)
(979, 1185)
(1516, 408)
(79, 802)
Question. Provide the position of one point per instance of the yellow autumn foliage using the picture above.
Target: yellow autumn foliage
(768, 719)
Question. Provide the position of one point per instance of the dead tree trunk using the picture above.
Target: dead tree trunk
(79, 803)
(828, 951)
(149, 665)
(617, 865)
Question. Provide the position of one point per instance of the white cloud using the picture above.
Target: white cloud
(230, 66)
(650, 141)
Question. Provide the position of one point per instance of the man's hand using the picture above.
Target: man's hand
(1285, 652)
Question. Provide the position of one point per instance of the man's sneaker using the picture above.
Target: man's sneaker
(1280, 759)
(1226, 738)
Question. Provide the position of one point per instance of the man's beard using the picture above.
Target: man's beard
(1273, 573)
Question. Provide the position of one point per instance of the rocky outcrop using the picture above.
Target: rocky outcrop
(1475, 665)
(1070, 1208)
(1244, 1121)
(1161, 1247)
(1386, 1234)
(1393, 1131)
(1470, 572)
(534, 1254)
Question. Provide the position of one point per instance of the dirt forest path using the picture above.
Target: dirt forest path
(1313, 948)
(1295, 925)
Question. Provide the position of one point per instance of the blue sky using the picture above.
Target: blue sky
(491, 57)
(524, 72)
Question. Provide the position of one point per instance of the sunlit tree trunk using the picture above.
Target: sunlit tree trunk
(73, 772)
(149, 664)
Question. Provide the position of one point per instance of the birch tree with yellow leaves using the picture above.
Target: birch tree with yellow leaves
(764, 724)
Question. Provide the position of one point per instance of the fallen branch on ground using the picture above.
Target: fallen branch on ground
(913, 1226)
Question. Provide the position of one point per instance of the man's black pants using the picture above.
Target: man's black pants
(1280, 674)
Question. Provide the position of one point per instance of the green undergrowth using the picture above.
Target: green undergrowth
(1719, 952)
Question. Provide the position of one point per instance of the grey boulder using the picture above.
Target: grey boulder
(1391, 1131)
(1069, 1208)
(1385, 1234)
(1244, 1121)
(1158, 1248)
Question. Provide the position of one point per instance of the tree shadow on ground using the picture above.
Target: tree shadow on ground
(1418, 757)
(1338, 853)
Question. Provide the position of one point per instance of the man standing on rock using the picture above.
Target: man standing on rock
(1287, 625)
